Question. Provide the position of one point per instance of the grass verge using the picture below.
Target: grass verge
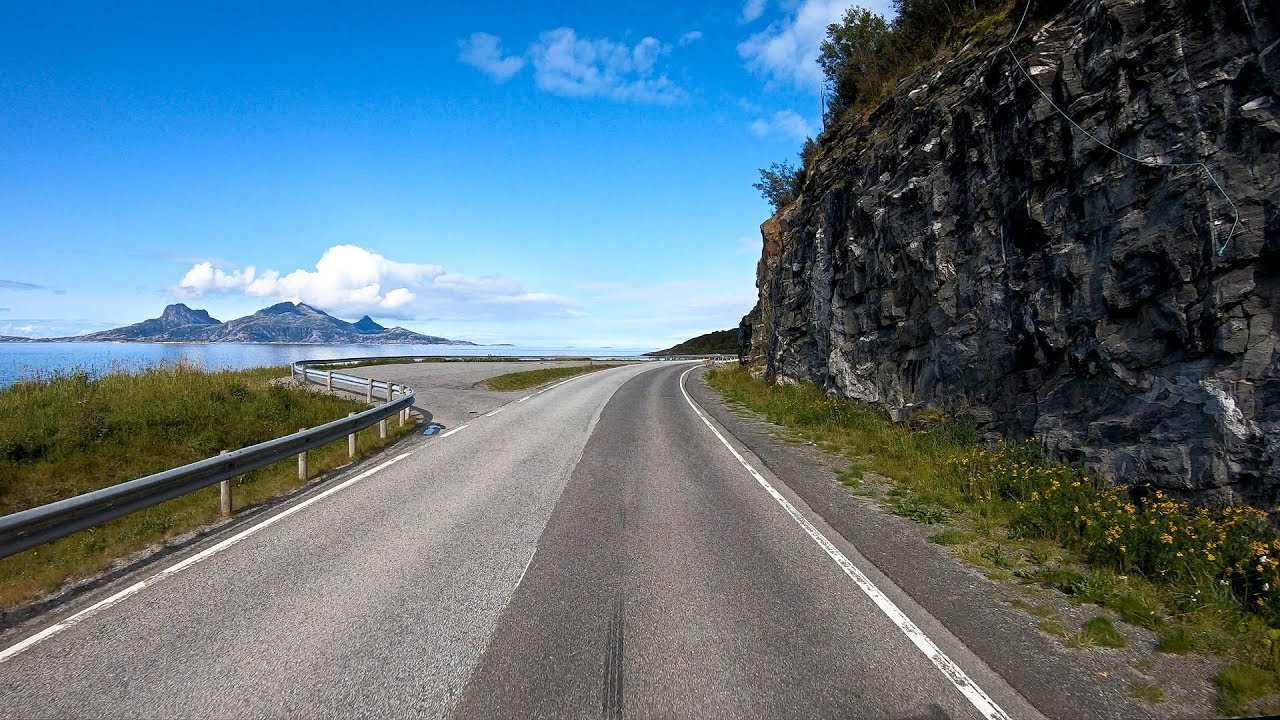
(1204, 578)
(71, 434)
(532, 378)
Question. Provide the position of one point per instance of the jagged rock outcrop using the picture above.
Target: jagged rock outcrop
(966, 247)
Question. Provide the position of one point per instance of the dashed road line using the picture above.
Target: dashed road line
(457, 429)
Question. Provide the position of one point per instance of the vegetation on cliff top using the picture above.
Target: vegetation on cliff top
(71, 433)
(865, 55)
(1204, 579)
(718, 342)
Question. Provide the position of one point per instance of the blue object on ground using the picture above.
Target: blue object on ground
(432, 428)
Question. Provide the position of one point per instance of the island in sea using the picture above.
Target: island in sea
(284, 322)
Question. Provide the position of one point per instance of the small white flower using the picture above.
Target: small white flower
(1266, 587)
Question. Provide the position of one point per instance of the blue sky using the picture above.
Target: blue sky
(577, 174)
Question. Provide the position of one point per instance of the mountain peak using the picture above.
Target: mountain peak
(280, 308)
(178, 314)
(366, 324)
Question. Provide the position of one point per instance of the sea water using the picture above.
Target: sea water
(21, 361)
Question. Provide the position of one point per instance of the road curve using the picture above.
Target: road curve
(593, 550)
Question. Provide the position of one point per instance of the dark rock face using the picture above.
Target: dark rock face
(968, 248)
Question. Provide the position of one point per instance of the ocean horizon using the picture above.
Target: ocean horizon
(34, 360)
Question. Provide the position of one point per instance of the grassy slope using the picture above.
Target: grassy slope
(720, 342)
(1204, 579)
(532, 378)
(73, 434)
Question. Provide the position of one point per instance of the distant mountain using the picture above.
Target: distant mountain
(177, 322)
(281, 323)
(720, 342)
(15, 338)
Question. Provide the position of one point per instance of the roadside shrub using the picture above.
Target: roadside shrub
(1138, 530)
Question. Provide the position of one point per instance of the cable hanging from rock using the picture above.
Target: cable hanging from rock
(1151, 163)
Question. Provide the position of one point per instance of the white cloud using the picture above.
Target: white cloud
(787, 50)
(691, 36)
(351, 281)
(484, 52)
(568, 65)
(784, 123)
(752, 11)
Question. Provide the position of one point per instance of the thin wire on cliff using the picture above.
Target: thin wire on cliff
(1151, 163)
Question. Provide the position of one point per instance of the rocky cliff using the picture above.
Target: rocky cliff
(966, 247)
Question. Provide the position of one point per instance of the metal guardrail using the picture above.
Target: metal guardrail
(28, 528)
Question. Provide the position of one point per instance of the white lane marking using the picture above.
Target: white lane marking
(178, 567)
(979, 699)
(495, 412)
(457, 429)
(526, 397)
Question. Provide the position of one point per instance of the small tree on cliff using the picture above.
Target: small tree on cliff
(778, 184)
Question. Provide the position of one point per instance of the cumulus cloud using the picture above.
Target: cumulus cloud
(784, 123)
(566, 64)
(484, 52)
(351, 281)
(787, 50)
(752, 11)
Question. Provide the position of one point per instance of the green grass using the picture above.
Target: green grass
(1145, 691)
(532, 378)
(1240, 684)
(1055, 628)
(70, 434)
(1099, 632)
(1206, 578)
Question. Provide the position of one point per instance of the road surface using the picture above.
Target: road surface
(592, 550)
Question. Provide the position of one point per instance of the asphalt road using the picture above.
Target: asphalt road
(590, 551)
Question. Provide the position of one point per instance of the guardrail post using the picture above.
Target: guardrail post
(224, 495)
(382, 429)
(368, 392)
(328, 380)
(302, 462)
(351, 441)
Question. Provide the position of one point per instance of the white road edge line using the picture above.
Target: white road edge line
(457, 429)
(979, 699)
(178, 567)
(526, 397)
(495, 412)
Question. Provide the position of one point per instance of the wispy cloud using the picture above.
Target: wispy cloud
(787, 50)
(689, 37)
(785, 123)
(352, 281)
(572, 66)
(752, 10)
(21, 286)
(484, 52)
